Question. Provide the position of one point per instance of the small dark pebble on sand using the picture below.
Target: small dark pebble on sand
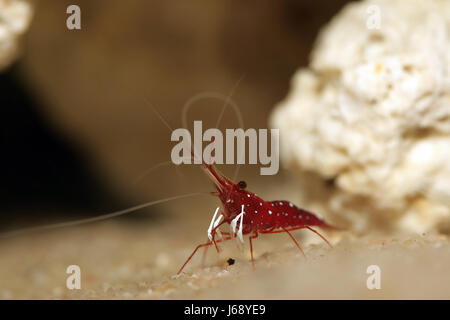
(230, 261)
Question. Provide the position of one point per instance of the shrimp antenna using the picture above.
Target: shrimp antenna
(156, 166)
(95, 219)
(227, 101)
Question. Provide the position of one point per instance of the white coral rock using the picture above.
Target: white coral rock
(372, 111)
(15, 17)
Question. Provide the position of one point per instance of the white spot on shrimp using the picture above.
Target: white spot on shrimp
(256, 211)
(260, 203)
(270, 212)
(281, 203)
(248, 195)
(286, 214)
(290, 204)
(272, 204)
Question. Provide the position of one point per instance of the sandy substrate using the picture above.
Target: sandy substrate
(124, 261)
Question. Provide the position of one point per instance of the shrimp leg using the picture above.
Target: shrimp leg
(251, 247)
(206, 244)
(214, 241)
(323, 238)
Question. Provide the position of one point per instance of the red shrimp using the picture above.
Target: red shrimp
(256, 215)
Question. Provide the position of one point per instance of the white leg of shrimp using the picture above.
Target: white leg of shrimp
(214, 223)
(233, 224)
(219, 219)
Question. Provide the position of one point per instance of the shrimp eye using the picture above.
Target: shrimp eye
(242, 184)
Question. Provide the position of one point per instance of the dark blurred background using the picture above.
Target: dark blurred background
(76, 128)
